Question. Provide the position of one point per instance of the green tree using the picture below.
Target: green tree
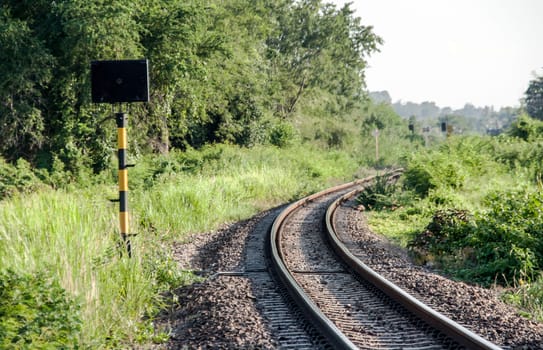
(26, 71)
(236, 85)
(73, 33)
(317, 45)
(534, 98)
(382, 116)
(526, 128)
(88, 30)
(221, 71)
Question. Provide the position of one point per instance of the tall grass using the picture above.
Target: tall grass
(72, 235)
(197, 203)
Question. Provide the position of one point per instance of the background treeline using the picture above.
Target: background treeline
(229, 71)
(469, 119)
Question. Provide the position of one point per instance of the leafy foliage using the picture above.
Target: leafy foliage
(419, 179)
(500, 244)
(450, 165)
(506, 238)
(25, 72)
(282, 134)
(36, 313)
(18, 178)
(534, 98)
(527, 128)
(497, 240)
(310, 39)
(221, 71)
(443, 237)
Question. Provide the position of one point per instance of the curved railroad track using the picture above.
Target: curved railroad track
(348, 303)
(242, 305)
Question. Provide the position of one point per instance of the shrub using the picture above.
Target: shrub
(418, 179)
(378, 195)
(507, 238)
(453, 166)
(498, 245)
(527, 128)
(36, 313)
(282, 134)
(444, 236)
(17, 178)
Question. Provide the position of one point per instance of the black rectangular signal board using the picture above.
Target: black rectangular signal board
(120, 81)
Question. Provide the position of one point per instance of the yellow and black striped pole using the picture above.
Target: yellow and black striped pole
(123, 179)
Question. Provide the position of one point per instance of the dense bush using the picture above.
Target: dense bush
(418, 179)
(18, 178)
(506, 238)
(526, 128)
(456, 163)
(36, 313)
(282, 134)
(501, 244)
(495, 237)
(444, 235)
(426, 174)
(21, 177)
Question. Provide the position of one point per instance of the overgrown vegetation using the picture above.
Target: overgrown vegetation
(36, 313)
(171, 196)
(473, 208)
(221, 72)
(378, 195)
(261, 75)
(534, 98)
(500, 244)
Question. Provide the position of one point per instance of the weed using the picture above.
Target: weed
(379, 195)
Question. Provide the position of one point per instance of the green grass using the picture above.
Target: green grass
(411, 218)
(196, 204)
(71, 236)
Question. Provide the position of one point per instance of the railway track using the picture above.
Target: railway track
(347, 302)
(242, 305)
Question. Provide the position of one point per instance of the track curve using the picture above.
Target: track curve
(345, 325)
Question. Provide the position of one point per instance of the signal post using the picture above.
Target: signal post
(116, 82)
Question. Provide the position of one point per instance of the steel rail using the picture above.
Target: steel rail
(323, 324)
(432, 317)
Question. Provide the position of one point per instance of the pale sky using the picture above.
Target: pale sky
(453, 52)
